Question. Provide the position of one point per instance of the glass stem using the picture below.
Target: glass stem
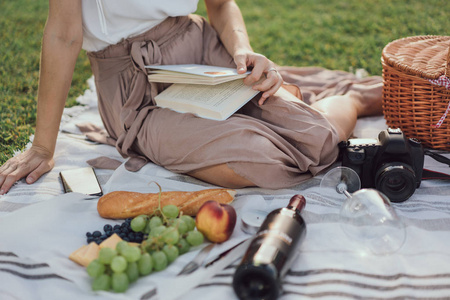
(346, 193)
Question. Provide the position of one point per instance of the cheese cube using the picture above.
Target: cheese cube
(85, 254)
(111, 242)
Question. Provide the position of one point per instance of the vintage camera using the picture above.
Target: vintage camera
(391, 164)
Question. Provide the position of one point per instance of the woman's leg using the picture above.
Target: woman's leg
(221, 175)
(341, 111)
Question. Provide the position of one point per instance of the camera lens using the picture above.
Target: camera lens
(396, 180)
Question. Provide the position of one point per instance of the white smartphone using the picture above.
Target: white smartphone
(81, 180)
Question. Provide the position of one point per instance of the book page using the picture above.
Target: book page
(195, 69)
(193, 74)
(213, 97)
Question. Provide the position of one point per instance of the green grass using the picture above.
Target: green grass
(22, 24)
(332, 34)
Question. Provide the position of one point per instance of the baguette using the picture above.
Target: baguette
(122, 205)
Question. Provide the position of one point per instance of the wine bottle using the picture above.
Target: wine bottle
(271, 253)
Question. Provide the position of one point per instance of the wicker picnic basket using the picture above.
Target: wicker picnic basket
(416, 89)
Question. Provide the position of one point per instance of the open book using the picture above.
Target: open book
(207, 91)
(217, 102)
(192, 74)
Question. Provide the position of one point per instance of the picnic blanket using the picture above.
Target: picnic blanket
(41, 226)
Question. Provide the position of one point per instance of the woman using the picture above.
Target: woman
(274, 141)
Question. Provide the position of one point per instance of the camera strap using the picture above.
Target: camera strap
(429, 174)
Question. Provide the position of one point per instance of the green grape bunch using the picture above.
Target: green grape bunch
(167, 235)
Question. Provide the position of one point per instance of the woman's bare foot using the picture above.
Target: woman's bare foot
(368, 99)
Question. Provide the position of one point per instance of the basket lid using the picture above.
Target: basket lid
(425, 56)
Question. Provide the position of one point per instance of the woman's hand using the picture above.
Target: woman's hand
(32, 164)
(226, 18)
(262, 66)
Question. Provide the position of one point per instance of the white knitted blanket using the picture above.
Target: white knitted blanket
(41, 226)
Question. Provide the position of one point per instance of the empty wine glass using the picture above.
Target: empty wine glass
(367, 214)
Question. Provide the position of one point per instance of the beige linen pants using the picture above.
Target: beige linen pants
(276, 145)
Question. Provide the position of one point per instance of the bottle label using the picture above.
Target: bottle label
(266, 253)
(279, 234)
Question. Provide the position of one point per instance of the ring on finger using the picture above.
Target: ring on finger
(272, 69)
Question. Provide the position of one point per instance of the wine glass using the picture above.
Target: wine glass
(366, 214)
(344, 180)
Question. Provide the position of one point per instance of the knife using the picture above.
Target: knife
(197, 261)
(226, 252)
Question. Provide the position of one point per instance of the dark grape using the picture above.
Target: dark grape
(107, 228)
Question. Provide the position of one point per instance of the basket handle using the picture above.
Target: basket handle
(447, 71)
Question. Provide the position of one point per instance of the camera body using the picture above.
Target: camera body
(391, 164)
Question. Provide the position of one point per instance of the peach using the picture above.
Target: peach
(216, 221)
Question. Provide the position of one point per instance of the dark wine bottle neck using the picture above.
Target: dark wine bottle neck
(297, 203)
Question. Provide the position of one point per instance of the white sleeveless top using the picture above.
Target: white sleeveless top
(106, 22)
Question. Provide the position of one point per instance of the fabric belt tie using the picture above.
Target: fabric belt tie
(133, 54)
(133, 114)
